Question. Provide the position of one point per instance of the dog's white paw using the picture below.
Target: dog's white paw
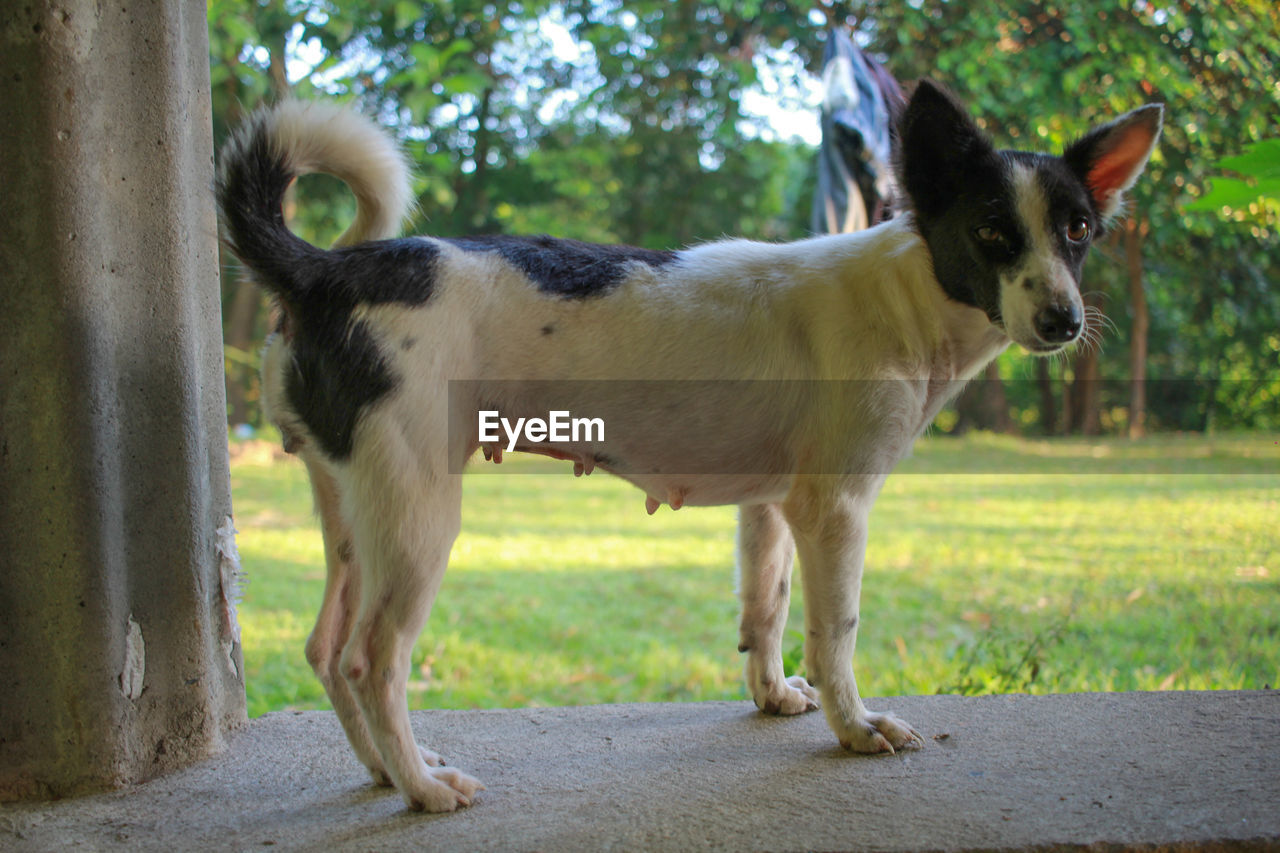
(382, 779)
(442, 789)
(793, 696)
(873, 733)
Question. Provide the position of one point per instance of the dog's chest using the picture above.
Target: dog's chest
(956, 362)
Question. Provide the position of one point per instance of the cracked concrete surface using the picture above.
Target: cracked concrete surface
(1151, 770)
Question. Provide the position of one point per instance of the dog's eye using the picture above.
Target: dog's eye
(988, 234)
(1078, 230)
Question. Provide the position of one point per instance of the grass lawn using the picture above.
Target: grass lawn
(994, 565)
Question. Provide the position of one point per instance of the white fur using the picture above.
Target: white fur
(317, 136)
(1042, 277)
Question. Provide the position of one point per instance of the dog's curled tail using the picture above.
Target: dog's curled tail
(277, 144)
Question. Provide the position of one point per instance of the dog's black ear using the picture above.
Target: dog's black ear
(939, 148)
(1109, 158)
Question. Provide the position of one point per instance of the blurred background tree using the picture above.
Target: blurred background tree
(659, 123)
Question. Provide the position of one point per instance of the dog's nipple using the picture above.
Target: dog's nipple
(651, 504)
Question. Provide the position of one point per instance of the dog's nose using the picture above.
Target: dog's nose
(1059, 324)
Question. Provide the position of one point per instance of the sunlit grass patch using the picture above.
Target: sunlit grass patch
(993, 565)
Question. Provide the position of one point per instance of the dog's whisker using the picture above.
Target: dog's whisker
(1095, 316)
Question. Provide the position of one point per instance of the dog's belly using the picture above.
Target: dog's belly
(676, 478)
(712, 489)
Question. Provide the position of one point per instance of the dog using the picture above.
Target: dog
(787, 379)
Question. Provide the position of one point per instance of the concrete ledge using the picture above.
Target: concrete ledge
(1151, 770)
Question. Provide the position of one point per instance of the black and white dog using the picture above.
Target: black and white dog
(818, 363)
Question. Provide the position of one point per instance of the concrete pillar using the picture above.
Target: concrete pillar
(119, 654)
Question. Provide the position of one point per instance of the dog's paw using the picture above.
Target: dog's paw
(442, 789)
(794, 696)
(874, 733)
(383, 780)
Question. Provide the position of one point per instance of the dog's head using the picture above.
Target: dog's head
(1008, 231)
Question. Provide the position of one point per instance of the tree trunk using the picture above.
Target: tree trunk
(1048, 406)
(240, 322)
(1085, 400)
(995, 402)
(238, 334)
(984, 405)
(1135, 232)
(277, 48)
(471, 211)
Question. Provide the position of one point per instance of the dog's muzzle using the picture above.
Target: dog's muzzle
(1058, 325)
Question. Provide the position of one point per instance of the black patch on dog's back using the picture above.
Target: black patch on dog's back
(338, 369)
(566, 268)
(376, 273)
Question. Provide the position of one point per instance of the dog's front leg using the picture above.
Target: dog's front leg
(829, 522)
(765, 555)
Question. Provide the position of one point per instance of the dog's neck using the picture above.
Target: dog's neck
(890, 293)
(969, 342)
(887, 318)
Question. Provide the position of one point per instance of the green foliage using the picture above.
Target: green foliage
(1255, 195)
(993, 565)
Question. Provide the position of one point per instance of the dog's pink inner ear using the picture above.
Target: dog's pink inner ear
(1117, 167)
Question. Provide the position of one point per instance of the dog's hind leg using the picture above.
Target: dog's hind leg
(405, 518)
(336, 617)
(830, 529)
(765, 555)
